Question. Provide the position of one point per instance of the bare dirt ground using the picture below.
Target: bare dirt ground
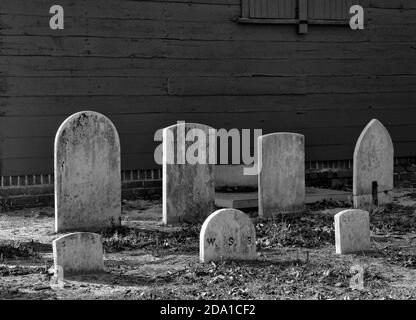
(145, 260)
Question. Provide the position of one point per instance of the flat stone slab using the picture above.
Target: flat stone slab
(352, 231)
(87, 173)
(250, 199)
(78, 253)
(373, 167)
(188, 188)
(227, 234)
(281, 181)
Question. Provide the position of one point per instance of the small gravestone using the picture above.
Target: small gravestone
(188, 173)
(87, 173)
(227, 234)
(57, 281)
(352, 231)
(281, 181)
(357, 280)
(78, 253)
(373, 168)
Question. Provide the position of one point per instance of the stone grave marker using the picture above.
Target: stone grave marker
(227, 234)
(78, 253)
(357, 281)
(352, 231)
(87, 173)
(281, 181)
(373, 167)
(188, 173)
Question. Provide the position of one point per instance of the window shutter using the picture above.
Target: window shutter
(273, 9)
(330, 9)
(301, 12)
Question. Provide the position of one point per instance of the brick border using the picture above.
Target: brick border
(38, 190)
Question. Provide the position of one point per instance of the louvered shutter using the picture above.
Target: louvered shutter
(301, 12)
(329, 9)
(273, 9)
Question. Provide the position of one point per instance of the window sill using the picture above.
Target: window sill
(292, 21)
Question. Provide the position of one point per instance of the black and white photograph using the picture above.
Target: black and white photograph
(225, 152)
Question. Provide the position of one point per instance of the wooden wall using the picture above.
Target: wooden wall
(148, 64)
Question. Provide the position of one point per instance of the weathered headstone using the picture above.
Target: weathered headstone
(58, 280)
(227, 234)
(188, 173)
(281, 181)
(357, 281)
(78, 253)
(87, 173)
(373, 167)
(352, 231)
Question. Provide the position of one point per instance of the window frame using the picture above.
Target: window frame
(301, 20)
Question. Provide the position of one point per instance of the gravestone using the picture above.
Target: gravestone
(188, 183)
(373, 167)
(357, 281)
(78, 253)
(87, 173)
(227, 234)
(281, 181)
(352, 231)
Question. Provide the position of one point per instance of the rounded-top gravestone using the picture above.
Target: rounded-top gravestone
(373, 167)
(78, 253)
(352, 231)
(227, 234)
(87, 173)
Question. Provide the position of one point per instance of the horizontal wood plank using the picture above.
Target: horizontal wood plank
(55, 67)
(66, 105)
(268, 121)
(203, 86)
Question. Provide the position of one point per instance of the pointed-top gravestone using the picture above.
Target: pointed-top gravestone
(78, 253)
(227, 234)
(87, 173)
(352, 231)
(188, 172)
(281, 181)
(373, 167)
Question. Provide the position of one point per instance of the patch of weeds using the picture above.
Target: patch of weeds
(307, 231)
(9, 292)
(185, 239)
(328, 204)
(411, 195)
(27, 250)
(394, 219)
(374, 280)
(8, 271)
(401, 257)
(264, 279)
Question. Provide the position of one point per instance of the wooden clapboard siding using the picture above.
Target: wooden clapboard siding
(23, 147)
(267, 120)
(148, 64)
(19, 66)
